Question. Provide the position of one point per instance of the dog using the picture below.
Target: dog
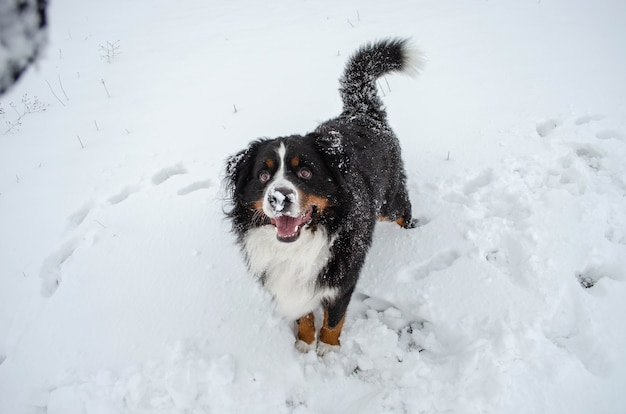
(304, 207)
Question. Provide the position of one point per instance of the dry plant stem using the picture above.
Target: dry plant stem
(105, 88)
(55, 95)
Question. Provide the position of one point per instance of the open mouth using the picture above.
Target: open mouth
(288, 228)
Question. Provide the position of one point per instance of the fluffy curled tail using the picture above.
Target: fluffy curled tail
(371, 61)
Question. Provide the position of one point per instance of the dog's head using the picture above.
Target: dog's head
(286, 182)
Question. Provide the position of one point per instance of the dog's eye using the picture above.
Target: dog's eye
(305, 173)
(264, 176)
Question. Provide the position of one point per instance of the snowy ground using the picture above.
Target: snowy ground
(121, 289)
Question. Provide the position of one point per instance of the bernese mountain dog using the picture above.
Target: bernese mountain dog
(304, 207)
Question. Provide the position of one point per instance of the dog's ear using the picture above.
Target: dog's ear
(238, 169)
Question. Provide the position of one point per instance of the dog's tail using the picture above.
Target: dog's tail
(371, 61)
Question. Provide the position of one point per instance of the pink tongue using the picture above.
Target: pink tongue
(286, 225)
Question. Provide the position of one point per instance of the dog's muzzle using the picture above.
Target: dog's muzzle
(282, 207)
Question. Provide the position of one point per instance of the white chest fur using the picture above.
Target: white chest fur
(290, 269)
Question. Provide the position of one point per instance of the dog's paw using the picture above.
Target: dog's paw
(304, 347)
(412, 224)
(324, 348)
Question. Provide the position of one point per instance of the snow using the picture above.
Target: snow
(122, 290)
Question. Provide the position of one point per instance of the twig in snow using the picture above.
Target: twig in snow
(105, 88)
(29, 106)
(55, 95)
(12, 105)
(110, 51)
(103, 226)
(80, 141)
(62, 89)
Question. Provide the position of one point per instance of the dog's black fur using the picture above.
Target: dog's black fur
(347, 173)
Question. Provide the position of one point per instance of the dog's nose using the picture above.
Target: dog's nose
(281, 198)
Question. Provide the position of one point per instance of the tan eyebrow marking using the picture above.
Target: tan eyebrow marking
(295, 161)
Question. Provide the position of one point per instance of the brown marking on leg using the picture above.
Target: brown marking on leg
(330, 335)
(306, 328)
(400, 221)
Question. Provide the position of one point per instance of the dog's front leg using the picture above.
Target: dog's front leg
(306, 333)
(334, 317)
